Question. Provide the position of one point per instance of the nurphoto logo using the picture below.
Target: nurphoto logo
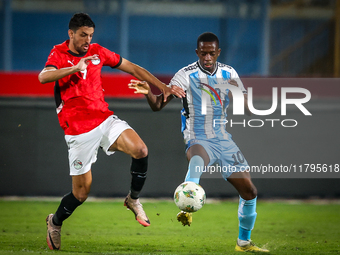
(214, 96)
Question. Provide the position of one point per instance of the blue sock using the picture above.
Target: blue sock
(247, 216)
(195, 169)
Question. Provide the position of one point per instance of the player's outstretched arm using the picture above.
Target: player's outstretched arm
(51, 74)
(144, 75)
(156, 102)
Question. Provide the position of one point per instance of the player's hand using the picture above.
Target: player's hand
(177, 91)
(173, 91)
(140, 87)
(84, 62)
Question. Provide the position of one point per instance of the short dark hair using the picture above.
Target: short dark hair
(80, 20)
(208, 37)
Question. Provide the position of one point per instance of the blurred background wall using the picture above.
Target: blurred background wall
(259, 38)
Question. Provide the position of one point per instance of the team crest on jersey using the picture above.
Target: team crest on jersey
(77, 164)
(96, 61)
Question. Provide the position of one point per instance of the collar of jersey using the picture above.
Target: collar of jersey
(205, 71)
(76, 55)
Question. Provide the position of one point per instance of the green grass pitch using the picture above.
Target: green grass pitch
(106, 227)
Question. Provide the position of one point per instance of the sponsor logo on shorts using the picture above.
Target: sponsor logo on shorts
(77, 164)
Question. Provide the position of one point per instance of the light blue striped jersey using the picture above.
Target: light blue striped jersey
(205, 105)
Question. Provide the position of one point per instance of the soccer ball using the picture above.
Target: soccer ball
(189, 197)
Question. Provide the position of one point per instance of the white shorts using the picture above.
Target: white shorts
(83, 148)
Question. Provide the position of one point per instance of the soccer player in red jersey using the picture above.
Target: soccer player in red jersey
(75, 67)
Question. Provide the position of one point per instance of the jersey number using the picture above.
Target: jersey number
(84, 73)
(238, 158)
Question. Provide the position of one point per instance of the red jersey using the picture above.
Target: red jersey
(79, 97)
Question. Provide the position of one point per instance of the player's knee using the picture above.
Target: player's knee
(249, 193)
(81, 193)
(140, 151)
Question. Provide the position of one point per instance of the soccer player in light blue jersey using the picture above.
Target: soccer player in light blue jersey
(209, 87)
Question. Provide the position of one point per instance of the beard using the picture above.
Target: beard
(80, 49)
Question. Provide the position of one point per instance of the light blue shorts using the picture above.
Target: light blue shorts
(223, 154)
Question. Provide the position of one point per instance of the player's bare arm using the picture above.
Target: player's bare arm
(144, 75)
(51, 74)
(234, 83)
(156, 102)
